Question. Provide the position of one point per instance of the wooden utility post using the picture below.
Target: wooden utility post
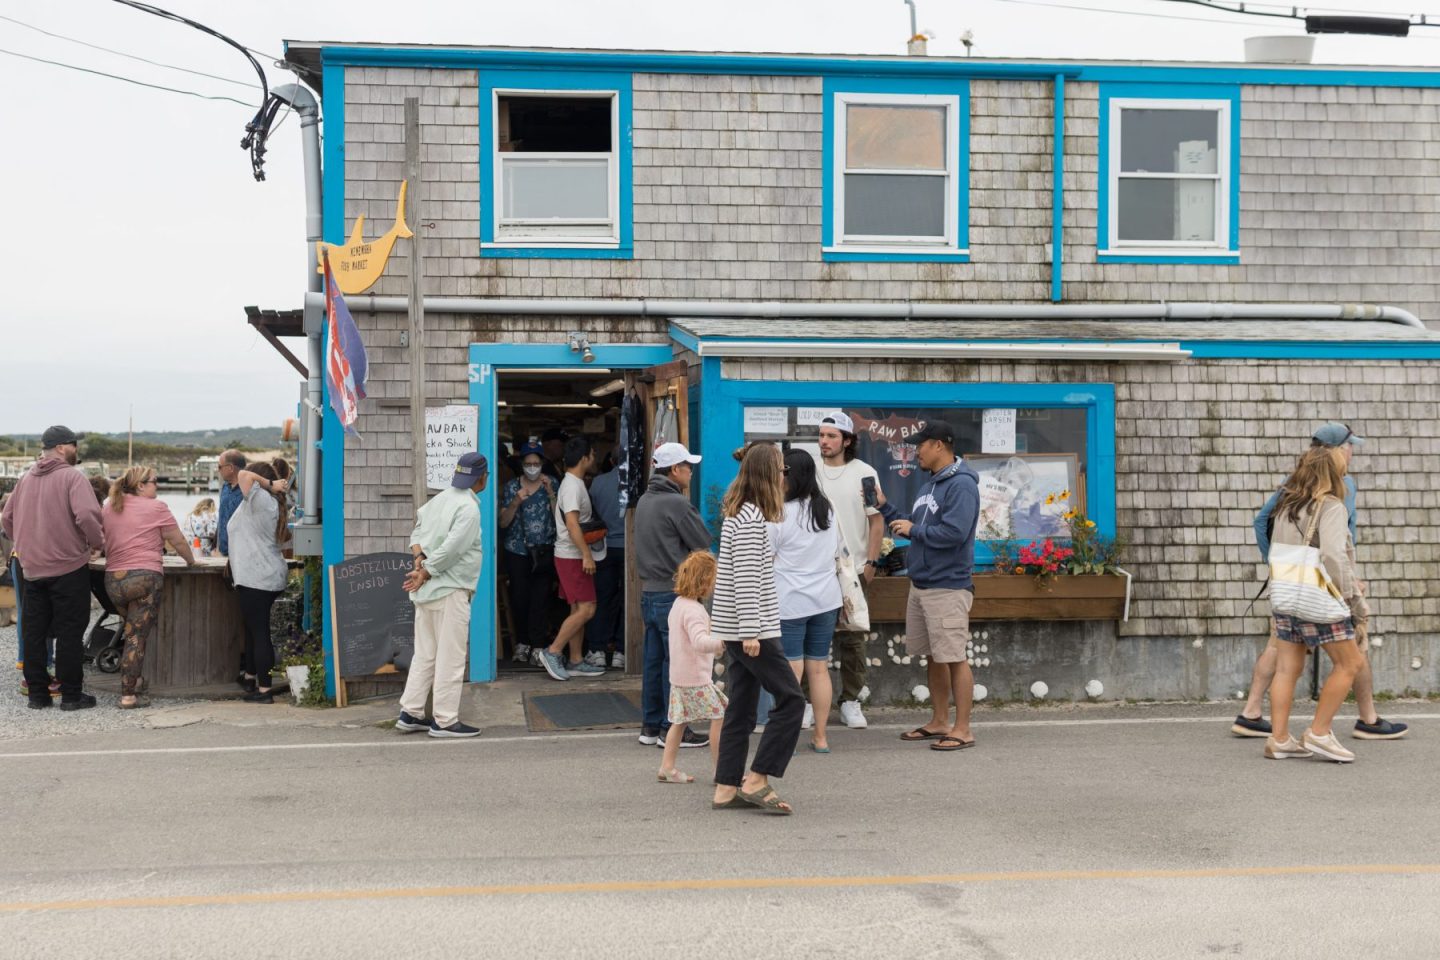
(414, 194)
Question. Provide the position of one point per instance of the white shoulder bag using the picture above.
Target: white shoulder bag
(1299, 585)
(854, 608)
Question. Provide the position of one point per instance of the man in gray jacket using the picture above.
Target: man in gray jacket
(667, 529)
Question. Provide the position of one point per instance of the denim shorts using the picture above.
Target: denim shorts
(808, 638)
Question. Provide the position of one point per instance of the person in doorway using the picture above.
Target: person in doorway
(694, 697)
(200, 527)
(842, 480)
(552, 442)
(55, 522)
(1370, 725)
(941, 531)
(668, 529)
(605, 632)
(137, 528)
(746, 613)
(446, 545)
(231, 463)
(257, 534)
(575, 560)
(805, 543)
(1311, 509)
(527, 515)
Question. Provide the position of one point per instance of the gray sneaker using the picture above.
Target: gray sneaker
(584, 669)
(551, 662)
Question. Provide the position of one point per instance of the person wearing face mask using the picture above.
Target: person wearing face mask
(527, 518)
(56, 525)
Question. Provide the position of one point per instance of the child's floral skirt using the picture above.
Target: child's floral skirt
(692, 704)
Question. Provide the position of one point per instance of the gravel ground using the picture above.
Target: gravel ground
(18, 721)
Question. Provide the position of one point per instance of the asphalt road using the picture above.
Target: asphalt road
(1104, 838)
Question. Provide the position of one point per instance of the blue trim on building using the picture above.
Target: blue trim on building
(959, 88)
(332, 435)
(1151, 90)
(485, 360)
(558, 79)
(722, 421)
(1057, 193)
(750, 65)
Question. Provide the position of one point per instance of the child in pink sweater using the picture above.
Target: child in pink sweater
(693, 694)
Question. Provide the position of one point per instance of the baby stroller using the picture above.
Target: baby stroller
(106, 641)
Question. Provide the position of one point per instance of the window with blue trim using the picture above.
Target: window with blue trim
(896, 170)
(555, 164)
(1169, 175)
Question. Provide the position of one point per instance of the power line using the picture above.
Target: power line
(1296, 12)
(116, 76)
(130, 56)
(1128, 13)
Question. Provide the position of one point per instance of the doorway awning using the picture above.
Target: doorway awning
(1103, 340)
(274, 324)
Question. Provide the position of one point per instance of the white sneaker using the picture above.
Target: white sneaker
(617, 661)
(595, 658)
(851, 716)
(1327, 747)
(522, 653)
(1287, 749)
(809, 720)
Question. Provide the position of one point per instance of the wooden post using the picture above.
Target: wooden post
(414, 194)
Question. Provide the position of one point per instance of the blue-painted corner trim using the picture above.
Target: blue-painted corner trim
(332, 442)
(829, 158)
(516, 79)
(1057, 194)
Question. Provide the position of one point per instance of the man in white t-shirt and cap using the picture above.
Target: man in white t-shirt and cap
(842, 478)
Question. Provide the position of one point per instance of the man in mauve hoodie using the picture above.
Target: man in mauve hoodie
(55, 522)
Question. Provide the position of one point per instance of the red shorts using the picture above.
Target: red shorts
(576, 586)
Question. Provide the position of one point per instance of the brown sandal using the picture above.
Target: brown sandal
(767, 800)
(920, 733)
(948, 744)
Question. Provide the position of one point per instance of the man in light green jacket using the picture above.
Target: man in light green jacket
(446, 548)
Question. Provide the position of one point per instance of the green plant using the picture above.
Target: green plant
(1084, 552)
(299, 647)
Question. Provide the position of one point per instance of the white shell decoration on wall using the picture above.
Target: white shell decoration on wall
(1094, 688)
(980, 692)
(1038, 689)
(921, 692)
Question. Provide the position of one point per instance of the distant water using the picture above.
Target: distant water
(181, 504)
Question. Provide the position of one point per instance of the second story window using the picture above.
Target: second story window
(896, 173)
(556, 167)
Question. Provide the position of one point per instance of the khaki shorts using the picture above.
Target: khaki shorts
(937, 624)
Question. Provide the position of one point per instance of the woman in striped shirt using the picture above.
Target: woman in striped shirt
(746, 615)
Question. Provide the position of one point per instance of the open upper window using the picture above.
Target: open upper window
(896, 176)
(1169, 178)
(556, 169)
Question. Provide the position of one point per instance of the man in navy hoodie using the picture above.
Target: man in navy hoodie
(941, 557)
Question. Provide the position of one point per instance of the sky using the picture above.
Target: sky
(136, 234)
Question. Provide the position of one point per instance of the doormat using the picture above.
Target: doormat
(577, 711)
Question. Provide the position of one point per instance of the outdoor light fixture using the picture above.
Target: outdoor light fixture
(580, 343)
(1372, 26)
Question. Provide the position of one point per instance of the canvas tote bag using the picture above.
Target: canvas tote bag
(854, 608)
(1299, 585)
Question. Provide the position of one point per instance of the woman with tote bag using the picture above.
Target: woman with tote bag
(1314, 593)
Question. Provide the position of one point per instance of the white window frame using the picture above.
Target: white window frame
(552, 232)
(954, 150)
(1221, 179)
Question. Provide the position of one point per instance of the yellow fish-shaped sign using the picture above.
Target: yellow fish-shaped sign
(357, 264)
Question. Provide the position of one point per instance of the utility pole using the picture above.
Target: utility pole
(130, 446)
(414, 194)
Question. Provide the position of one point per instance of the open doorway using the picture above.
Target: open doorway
(537, 411)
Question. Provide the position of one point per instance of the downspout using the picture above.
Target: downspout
(1057, 196)
(898, 310)
(304, 105)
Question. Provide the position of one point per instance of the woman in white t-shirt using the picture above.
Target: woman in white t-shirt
(805, 543)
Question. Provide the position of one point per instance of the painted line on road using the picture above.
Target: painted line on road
(616, 734)
(716, 884)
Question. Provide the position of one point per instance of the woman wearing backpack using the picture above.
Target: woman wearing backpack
(1311, 509)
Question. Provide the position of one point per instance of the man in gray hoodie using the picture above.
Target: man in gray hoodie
(667, 529)
(54, 519)
(941, 557)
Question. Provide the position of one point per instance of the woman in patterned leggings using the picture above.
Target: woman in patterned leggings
(137, 527)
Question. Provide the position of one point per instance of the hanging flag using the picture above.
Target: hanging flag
(346, 365)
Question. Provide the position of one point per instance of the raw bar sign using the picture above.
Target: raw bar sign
(450, 432)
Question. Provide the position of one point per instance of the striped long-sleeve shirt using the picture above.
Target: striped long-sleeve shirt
(746, 604)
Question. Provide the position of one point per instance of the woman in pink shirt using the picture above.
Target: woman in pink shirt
(693, 694)
(137, 527)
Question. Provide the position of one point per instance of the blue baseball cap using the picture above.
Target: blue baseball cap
(469, 468)
(1335, 435)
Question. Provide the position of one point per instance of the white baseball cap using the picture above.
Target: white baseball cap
(670, 454)
(841, 421)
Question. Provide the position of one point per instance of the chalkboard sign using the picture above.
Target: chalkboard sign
(372, 616)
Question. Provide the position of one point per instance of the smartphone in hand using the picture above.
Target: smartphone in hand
(868, 492)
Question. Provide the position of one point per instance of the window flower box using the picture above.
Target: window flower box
(1103, 596)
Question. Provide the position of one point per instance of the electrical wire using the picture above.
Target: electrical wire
(116, 76)
(1297, 12)
(129, 56)
(1129, 13)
